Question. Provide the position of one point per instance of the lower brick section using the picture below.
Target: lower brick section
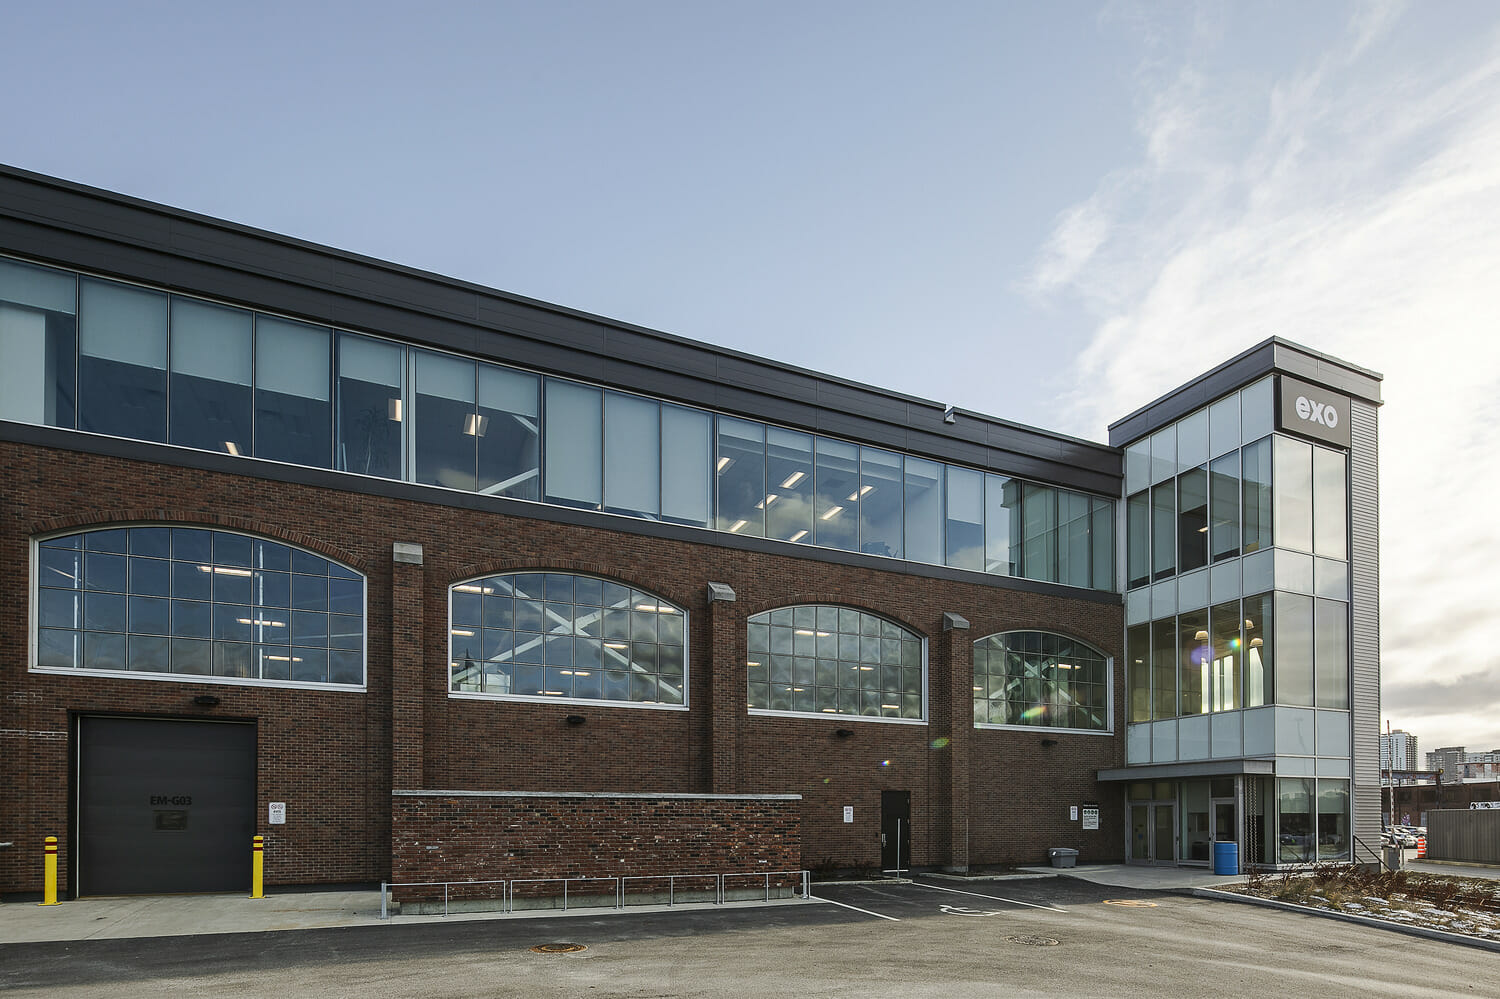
(480, 836)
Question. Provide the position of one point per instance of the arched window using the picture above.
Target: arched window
(821, 659)
(1038, 679)
(557, 636)
(188, 601)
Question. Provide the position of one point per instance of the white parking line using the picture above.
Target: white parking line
(855, 908)
(994, 898)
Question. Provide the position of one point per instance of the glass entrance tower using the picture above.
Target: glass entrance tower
(1251, 577)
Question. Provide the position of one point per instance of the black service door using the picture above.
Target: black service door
(164, 806)
(895, 830)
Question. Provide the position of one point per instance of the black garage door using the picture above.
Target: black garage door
(164, 806)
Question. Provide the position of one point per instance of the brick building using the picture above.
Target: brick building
(425, 581)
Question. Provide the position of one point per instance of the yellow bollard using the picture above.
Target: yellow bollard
(49, 871)
(258, 867)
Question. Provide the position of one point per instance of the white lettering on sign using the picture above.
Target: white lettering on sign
(277, 813)
(1317, 412)
(848, 813)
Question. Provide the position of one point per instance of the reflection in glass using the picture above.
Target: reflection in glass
(836, 516)
(1073, 547)
(879, 498)
(1333, 820)
(372, 405)
(687, 449)
(741, 467)
(1330, 504)
(1195, 658)
(509, 433)
(211, 377)
(218, 602)
(1164, 669)
(1292, 496)
(1039, 532)
(833, 660)
(1294, 649)
(1224, 501)
(445, 423)
(38, 338)
(1138, 539)
(1163, 533)
(965, 525)
(1192, 519)
(1103, 540)
(122, 361)
(1223, 673)
(574, 444)
(1256, 481)
(590, 639)
(1040, 679)
(1138, 662)
(1260, 674)
(293, 416)
(632, 455)
(924, 510)
(1295, 810)
(1332, 653)
(789, 485)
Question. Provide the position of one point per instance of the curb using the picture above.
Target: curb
(1383, 924)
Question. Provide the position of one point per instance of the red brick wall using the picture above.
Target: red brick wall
(437, 837)
(329, 754)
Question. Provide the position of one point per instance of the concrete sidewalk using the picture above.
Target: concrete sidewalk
(187, 915)
(184, 915)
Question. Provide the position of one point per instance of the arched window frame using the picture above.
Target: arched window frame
(131, 560)
(759, 661)
(1105, 664)
(463, 627)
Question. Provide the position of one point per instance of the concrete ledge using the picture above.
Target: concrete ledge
(1384, 924)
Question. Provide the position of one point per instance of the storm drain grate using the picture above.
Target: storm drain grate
(558, 948)
(1034, 941)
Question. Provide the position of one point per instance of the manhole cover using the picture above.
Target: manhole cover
(1034, 941)
(1133, 903)
(558, 948)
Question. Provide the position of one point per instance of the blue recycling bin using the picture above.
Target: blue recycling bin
(1226, 858)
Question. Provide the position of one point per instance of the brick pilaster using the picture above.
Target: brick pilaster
(407, 667)
(727, 695)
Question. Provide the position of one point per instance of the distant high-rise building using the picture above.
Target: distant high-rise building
(1398, 751)
(1449, 759)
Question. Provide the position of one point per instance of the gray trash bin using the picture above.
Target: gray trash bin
(1062, 856)
(1395, 858)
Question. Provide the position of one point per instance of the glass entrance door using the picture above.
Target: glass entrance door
(1164, 840)
(1153, 833)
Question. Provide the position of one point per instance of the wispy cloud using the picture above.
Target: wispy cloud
(1350, 205)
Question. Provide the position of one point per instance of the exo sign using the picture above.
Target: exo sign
(1312, 411)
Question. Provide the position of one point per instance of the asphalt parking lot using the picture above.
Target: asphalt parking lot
(929, 938)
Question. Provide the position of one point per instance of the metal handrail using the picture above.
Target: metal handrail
(508, 889)
(805, 875)
(511, 888)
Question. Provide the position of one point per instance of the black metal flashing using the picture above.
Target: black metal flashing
(1270, 355)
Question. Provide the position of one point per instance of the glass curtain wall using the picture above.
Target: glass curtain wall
(126, 361)
(38, 344)
(211, 377)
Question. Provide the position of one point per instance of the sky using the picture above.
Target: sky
(1072, 207)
